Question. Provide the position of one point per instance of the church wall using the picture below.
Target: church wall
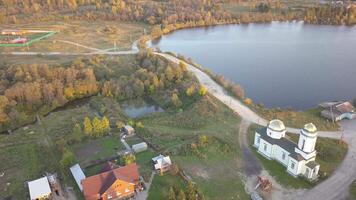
(278, 155)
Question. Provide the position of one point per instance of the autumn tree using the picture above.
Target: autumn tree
(88, 127)
(171, 194)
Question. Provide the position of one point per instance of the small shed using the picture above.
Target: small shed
(139, 147)
(128, 130)
(39, 189)
(162, 163)
(78, 175)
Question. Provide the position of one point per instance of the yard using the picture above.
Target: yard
(330, 155)
(216, 169)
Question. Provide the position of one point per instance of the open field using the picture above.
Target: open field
(216, 168)
(330, 155)
(92, 35)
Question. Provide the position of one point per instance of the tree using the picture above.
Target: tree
(202, 90)
(190, 90)
(191, 191)
(203, 140)
(120, 125)
(175, 100)
(77, 133)
(129, 158)
(238, 91)
(97, 126)
(248, 101)
(181, 195)
(105, 124)
(171, 194)
(67, 159)
(88, 127)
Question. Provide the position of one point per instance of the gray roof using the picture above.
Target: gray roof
(312, 164)
(78, 175)
(296, 156)
(284, 143)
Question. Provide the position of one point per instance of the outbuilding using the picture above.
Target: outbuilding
(128, 130)
(78, 175)
(139, 147)
(39, 189)
(162, 163)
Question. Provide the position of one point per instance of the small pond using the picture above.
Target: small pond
(139, 107)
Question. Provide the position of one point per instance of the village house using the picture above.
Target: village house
(116, 184)
(128, 130)
(40, 189)
(162, 163)
(299, 159)
(337, 111)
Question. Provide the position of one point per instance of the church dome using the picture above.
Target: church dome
(276, 125)
(310, 128)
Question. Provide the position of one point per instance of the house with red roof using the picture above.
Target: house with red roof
(115, 184)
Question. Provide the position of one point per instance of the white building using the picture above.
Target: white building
(139, 147)
(78, 175)
(162, 163)
(299, 159)
(39, 189)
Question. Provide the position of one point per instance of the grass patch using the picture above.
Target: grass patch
(352, 193)
(298, 119)
(330, 155)
(160, 186)
(216, 173)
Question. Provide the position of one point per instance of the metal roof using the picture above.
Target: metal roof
(78, 175)
(39, 188)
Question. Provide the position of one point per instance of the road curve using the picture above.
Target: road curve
(337, 185)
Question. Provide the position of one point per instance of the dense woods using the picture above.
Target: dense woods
(28, 90)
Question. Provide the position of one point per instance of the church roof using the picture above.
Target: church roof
(310, 128)
(312, 164)
(284, 143)
(276, 125)
(296, 156)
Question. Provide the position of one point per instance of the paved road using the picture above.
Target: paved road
(337, 185)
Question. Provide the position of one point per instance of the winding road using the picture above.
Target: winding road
(334, 188)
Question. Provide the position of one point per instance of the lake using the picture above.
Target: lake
(139, 107)
(282, 64)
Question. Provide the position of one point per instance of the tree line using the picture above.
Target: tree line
(29, 89)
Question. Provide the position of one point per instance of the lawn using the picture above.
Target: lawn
(218, 174)
(97, 34)
(161, 184)
(298, 119)
(333, 155)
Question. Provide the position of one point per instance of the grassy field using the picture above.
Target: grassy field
(298, 119)
(216, 173)
(161, 184)
(352, 194)
(333, 155)
(96, 34)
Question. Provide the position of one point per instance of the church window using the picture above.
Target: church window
(303, 143)
(265, 147)
(284, 156)
(292, 165)
(258, 140)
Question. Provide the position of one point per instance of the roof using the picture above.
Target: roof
(139, 145)
(129, 128)
(161, 161)
(78, 175)
(345, 107)
(337, 109)
(310, 128)
(95, 186)
(284, 143)
(276, 125)
(312, 164)
(39, 188)
(296, 156)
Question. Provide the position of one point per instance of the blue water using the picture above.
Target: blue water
(278, 64)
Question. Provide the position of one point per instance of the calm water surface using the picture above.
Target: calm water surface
(139, 107)
(278, 64)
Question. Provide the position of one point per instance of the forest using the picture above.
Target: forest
(170, 13)
(27, 90)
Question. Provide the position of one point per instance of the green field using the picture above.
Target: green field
(215, 168)
(31, 39)
(333, 151)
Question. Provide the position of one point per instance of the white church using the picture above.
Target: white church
(299, 159)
